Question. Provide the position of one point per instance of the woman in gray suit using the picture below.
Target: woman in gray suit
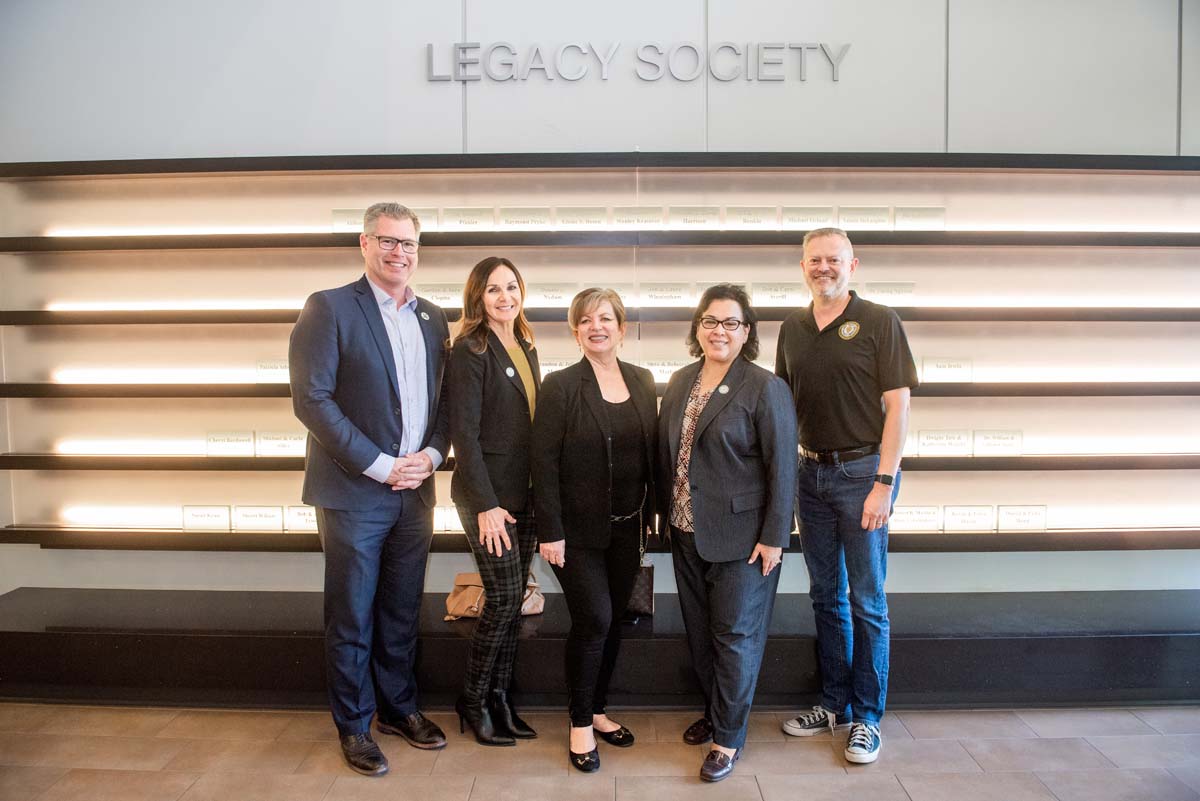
(727, 477)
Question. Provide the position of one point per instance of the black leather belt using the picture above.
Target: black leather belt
(837, 457)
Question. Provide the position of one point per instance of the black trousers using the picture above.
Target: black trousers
(726, 611)
(494, 644)
(597, 584)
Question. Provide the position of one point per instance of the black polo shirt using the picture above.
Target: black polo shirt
(838, 375)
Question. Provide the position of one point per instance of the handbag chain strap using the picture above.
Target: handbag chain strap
(641, 524)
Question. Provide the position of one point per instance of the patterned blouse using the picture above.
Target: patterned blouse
(681, 494)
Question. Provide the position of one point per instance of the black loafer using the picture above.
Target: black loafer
(418, 730)
(363, 754)
(588, 763)
(699, 732)
(717, 766)
(621, 738)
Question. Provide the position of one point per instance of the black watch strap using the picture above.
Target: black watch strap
(886, 480)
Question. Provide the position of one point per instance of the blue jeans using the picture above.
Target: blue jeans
(846, 570)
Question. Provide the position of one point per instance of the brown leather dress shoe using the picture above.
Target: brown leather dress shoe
(699, 732)
(420, 731)
(362, 754)
(717, 766)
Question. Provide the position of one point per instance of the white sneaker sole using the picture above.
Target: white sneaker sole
(861, 759)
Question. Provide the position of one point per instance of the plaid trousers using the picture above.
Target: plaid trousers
(494, 644)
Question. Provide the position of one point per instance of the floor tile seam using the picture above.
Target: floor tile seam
(1041, 781)
(758, 785)
(1148, 723)
(971, 756)
(1179, 779)
(42, 794)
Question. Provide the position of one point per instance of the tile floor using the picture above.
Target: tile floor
(72, 753)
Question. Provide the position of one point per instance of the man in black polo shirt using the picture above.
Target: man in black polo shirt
(850, 369)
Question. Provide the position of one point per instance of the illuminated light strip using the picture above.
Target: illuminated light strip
(1060, 228)
(185, 231)
(163, 375)
(175, 305)
(123, 516)
(133, 447)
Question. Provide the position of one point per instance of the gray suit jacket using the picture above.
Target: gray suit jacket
(743, 467)
(344, 390)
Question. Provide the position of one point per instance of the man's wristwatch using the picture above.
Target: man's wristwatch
(885, 479)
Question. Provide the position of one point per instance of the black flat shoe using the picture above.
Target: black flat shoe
(621, 738)
(699, 732)
(588, 763)
(717, 766)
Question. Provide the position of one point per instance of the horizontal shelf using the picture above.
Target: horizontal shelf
(65, 461)
(1054, 389)
(567, 161)
(70, 461)
(646, 314)
(454, 542)
(604, 238)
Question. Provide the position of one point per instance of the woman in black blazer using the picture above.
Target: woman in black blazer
(592, 458)
(726, 479)
(493, 387)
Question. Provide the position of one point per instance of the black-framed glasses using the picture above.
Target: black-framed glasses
(729, 323)
(409, 246)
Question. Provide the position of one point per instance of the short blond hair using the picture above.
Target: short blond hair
(588, 299)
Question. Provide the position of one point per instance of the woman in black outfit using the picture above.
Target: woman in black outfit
(592, 459)
(494, 367)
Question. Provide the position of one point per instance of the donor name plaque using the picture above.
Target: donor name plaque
(206, 518)
(943, 369)
(916, 518)
(301, 518)
(576, 218)
(944, 443)
(1022, 518)
(752, 217)
(258, 518)
(693, 217)
(969, 518)
(998, 443)
(230, 443)
(804, 218)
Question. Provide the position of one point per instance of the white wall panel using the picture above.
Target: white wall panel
(623, 113)
(112, 79)
(890, 95)
(1190, 70)
(1072, 76)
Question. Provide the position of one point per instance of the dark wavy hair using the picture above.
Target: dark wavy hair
(739, 296)
(474, 324)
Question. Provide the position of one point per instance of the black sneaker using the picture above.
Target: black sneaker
(817, 720)
(864, 743)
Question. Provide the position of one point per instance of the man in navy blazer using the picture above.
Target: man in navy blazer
(367, 363)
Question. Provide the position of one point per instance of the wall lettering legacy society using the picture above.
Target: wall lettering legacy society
(649, 61)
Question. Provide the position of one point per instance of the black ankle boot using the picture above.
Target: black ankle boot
(480, 719)
(506, 718)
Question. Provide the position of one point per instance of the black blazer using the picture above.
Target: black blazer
(571, 456)
(490, 426)
(743, 467)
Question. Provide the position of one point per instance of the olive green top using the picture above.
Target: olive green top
(521, 362)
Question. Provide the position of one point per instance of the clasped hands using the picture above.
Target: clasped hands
(409, 471)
